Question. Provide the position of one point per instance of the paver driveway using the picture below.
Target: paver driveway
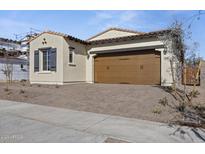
(23, 122)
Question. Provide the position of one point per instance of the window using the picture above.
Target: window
(21, 66)
(36, 61)
(49, 59)
(71, 55)
(46, 60)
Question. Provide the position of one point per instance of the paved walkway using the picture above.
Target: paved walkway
(23, 122)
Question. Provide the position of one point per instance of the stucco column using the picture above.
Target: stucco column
(161, 50)
(90, 68)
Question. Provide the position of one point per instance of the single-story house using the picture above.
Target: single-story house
(113, 56)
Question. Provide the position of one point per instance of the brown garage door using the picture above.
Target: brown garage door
(140, 67)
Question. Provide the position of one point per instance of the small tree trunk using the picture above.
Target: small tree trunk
(6, 75)
(11, 73)
(184, 76)
(196, 79)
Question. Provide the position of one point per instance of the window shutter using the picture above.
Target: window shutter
(36, 61)
(53, 59)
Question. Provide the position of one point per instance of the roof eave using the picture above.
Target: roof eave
(60, 34)
(131, 37)
(119, 29)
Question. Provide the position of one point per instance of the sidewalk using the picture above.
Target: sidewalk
(23, 122)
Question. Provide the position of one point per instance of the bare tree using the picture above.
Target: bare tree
(8, 71)
(174, 44)
(181, 56)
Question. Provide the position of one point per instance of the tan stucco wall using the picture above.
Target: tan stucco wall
(143, 43)
(90, 68)
(166, 78)
(166, 74)
(112, 34)
(76, 72)
(83, 68)
(65, 72)
(48, 77)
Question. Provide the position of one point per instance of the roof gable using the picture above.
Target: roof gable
(61, 35)
(130, 37)
(114, 33)
(108, 36)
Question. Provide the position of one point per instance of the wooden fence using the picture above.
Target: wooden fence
(190, 76)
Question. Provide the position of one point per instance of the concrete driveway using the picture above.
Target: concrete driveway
(22, 122)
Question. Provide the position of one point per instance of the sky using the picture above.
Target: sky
(84, 24)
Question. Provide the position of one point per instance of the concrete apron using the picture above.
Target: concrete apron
(23, 122)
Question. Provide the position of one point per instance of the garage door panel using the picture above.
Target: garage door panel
(146, 69)
(132, 68)
(115, 69)
(122, 61)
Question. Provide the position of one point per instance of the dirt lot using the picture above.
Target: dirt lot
(123, 100)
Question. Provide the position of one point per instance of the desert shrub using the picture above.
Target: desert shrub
(163, 101)
(194, 93)
(6, 89)
(157, 110)
(9, 93)
(22, 91)
(23, 80)
(199, 107)
(168, 89)
(181, 107)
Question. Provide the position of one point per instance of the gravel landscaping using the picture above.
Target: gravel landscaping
(133, 101)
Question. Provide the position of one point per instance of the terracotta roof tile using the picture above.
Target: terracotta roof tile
(131, 37)
(61, 34)
(118, 29)
(123, 38)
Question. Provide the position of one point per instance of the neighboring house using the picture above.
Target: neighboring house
(11, 47)
(113, 56)
(18, 66)
(11, 56)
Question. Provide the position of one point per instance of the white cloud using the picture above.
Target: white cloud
(8, 23)
(10, 26)
(125, 19)
(103, 15)
(128, 16)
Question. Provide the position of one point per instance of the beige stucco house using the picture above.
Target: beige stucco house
(113, 56)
